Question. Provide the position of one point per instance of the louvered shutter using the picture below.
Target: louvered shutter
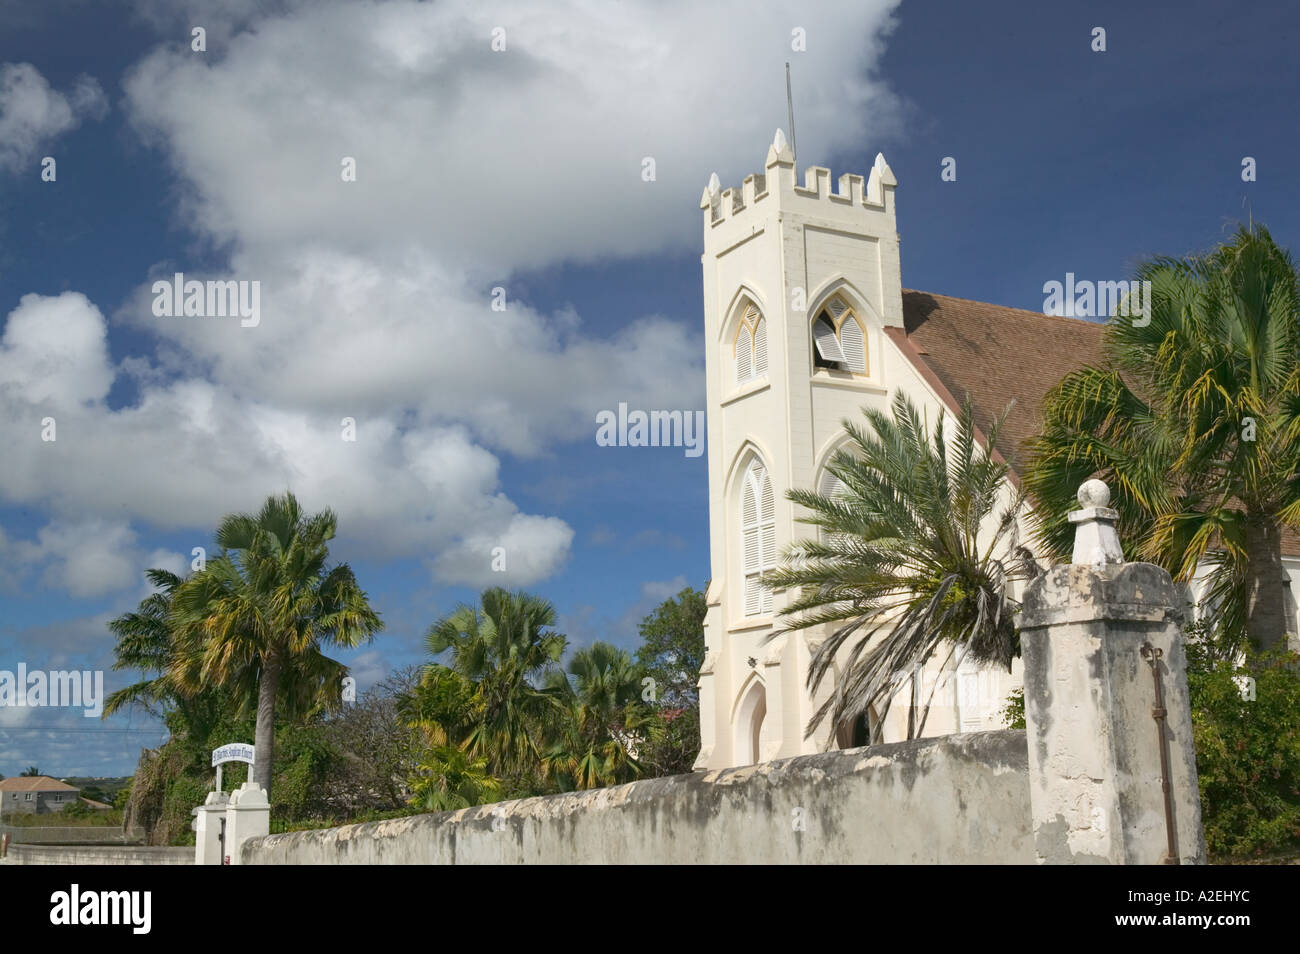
(837, 307)
(853, 345)
(767, 534)
(753, 555)
(769, 562)
(749, 503)
(750, 543)
(831, 486)
(758, 537)
(749, 538)
(744, 358)
(828, 346)
(760, 349)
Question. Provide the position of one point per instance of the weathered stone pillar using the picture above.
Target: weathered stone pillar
(1112, 770)
(249, 816)
(208, 819)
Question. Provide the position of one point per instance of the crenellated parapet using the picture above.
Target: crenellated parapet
(780, 179)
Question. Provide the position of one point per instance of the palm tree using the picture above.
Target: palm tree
(30, 772)
(448, 778)
(443, 706)
(605, 678)
(504, 648)
(255, 618)
(1194, 421)
(912, 552)
(145, 643)
(597, 739)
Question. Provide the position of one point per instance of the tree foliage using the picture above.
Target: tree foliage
(1246, 724)
(255, 619)
(918, 551)
(671, 654)
(1193, 419)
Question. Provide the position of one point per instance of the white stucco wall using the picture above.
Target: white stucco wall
(963, 799)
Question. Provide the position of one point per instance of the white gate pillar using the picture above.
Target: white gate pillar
(1112, 769)
(249, 816)
(209, 819)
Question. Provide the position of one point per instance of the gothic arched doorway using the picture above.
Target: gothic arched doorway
(855, 732)
(749, 724)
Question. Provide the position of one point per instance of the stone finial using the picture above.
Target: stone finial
(881, 176)
(1094, 493)
(779, 151)
(1096, 542)
(711, 192)
(882, 167)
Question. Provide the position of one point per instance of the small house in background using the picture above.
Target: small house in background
(35, 795)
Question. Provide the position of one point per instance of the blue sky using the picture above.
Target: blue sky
(520, 169)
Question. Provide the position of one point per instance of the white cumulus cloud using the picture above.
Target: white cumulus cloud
(32, 113)
(473, 167)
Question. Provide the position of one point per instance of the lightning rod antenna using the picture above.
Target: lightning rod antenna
(789, 102)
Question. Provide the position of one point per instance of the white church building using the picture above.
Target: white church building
(806, 322)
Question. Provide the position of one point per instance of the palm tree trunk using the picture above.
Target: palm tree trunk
(1267, 620)
(264, 737)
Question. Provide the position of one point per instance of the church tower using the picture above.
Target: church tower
(800, 285)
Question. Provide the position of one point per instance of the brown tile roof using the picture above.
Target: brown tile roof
(998, 355)
(35, 783)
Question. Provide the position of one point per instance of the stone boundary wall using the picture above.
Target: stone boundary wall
(97, 855)
(68, 835)
(958, 799)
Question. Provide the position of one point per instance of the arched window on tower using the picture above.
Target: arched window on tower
(757, 537)
(751, 346)
(831, 486)
(839, 338)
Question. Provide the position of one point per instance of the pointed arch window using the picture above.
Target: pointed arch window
(831, 486)
(757, 537)
(751, 346)
(839, 338)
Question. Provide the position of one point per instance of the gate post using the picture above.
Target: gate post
(208, 819)
(1112, 769)
(248, 816)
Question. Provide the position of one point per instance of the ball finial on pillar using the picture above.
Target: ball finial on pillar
(1094, 493)
(1096, 543)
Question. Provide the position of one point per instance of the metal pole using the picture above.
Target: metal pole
(1152, 656)
(789, 102)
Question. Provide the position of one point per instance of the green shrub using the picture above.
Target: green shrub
(77, 809)
(1247, 751)
(1013, 713)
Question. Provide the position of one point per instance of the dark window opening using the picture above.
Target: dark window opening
(854, 733)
